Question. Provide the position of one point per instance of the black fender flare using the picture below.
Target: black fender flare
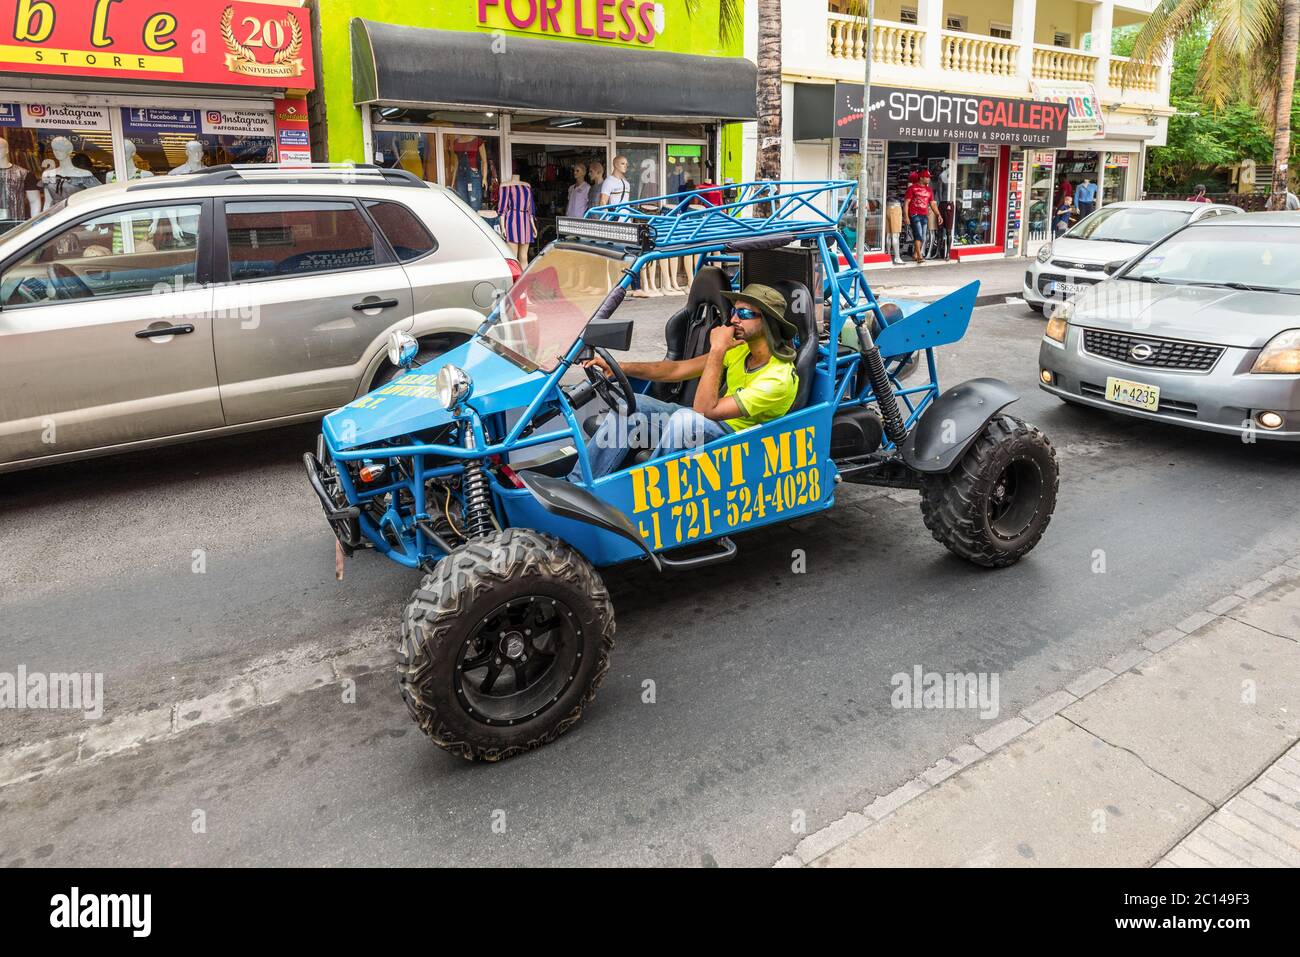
(562, 498)
(951, 423)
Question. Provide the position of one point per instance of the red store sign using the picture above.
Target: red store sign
(180, 41)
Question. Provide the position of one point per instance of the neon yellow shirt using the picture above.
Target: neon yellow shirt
(763, 394)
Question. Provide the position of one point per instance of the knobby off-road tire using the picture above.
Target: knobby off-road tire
(995, 504)
(513, 573)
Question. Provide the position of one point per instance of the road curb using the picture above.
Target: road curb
(265, 682)
(1001, 736)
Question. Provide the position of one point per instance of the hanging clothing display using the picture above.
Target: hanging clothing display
(15, 184)
(516, 210)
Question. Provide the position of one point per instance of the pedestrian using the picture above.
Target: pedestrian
(595, 173)
(1292, 201)
(579, 192)
(1064, 211)
(1085, 197)
(894, 229)
(1198, 194)
(919, 199)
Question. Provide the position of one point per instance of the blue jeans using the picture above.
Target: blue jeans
(676, 427)
(920, 226)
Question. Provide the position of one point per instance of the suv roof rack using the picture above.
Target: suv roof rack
(229, 174)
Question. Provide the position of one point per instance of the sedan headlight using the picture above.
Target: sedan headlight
(1058, 323)
(453, 386)
(1281, 356)
(1044, 253)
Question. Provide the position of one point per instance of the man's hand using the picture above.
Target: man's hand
(599, 363)
(722, 338)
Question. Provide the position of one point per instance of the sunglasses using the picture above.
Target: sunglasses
(743, 312)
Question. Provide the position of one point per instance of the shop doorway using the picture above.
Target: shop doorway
(547, 168)
(1039, 193)
(904, 159)
(1079, 168)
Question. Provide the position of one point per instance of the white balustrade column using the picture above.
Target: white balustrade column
(929, 17)
(1103, 22)
(1024, 15)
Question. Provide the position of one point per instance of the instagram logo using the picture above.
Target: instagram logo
(36, 109)
(214, 116)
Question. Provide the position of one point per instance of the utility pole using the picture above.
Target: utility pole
(866, 132)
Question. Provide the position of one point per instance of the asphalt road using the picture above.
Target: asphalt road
(170, 571)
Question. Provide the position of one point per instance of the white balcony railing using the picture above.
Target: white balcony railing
(976, 53)
(1142, 77)
(893, 44)
(1060, 63)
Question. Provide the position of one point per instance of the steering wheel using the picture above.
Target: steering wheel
(615, 391)
(59, 274)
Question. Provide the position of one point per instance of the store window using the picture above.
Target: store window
(878, 198)
(557, 125)
(1038, 200)
(381, 115)
(161, 142)
(548, 169)
(1116, 178)
(678, 131)
(402, 228)
(48, 152)
(412, 151)
(471, 165)
(643, 173)
(281, 238)
(129, 252)
(685, 166)
(975, 191)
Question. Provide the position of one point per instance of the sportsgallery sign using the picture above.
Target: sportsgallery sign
(928, 116)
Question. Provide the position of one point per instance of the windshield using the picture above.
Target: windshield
(1129, 224)
(1266, 258)
(549, 305)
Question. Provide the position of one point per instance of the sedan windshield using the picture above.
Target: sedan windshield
(1265, 258)
(1129, 224)
(549, 305)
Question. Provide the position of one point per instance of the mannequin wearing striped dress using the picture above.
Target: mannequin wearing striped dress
(516, 210)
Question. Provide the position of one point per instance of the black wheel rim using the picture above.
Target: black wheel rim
(518, 660)
(1014, 499)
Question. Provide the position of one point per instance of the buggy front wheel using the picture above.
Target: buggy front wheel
(504, 644)
(994, 505)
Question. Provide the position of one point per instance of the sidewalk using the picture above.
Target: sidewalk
(1182, 752)
(999, 278)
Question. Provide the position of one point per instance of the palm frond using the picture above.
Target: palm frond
(1167, 22)
(1242, 26)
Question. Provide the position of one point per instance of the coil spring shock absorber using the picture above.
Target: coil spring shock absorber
(880, 385)
(478, 497)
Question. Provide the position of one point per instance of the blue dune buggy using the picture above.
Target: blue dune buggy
(462, 470)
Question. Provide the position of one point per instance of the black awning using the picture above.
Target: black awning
(395, 64)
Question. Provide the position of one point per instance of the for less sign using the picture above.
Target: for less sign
(191, 41)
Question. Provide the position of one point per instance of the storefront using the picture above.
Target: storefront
(974, 147)
(93, 91)
(474, 92)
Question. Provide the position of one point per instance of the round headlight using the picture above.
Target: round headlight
(402, 349)
(1044, 253)
(453, 386)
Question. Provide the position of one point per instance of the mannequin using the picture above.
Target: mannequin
(64, 178)
(518, 227)
(470, 180)
(135, 170)
(16, 186)
(193, 159)
(1085, 196)
(579, 192)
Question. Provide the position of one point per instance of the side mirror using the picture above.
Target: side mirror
(1111, 268)
(402, 349)
(613, 334)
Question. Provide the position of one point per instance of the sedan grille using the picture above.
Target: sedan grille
(1151, 353)
(1084, 267)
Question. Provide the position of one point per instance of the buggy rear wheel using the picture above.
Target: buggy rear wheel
(995, 504)
(503, 645)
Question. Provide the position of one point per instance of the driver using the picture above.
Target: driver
(751, 352)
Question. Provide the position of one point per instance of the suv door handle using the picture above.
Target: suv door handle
(374, 304)
(180, 330)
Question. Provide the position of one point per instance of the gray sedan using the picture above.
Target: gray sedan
(1202, 330)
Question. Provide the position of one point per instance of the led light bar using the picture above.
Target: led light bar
(622, 234)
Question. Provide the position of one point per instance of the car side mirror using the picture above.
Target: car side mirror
(1111, 268)
(613, 334)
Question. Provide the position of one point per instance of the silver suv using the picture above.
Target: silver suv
(186, 307)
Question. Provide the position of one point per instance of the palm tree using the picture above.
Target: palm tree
(731, 24)
(1251, 54)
